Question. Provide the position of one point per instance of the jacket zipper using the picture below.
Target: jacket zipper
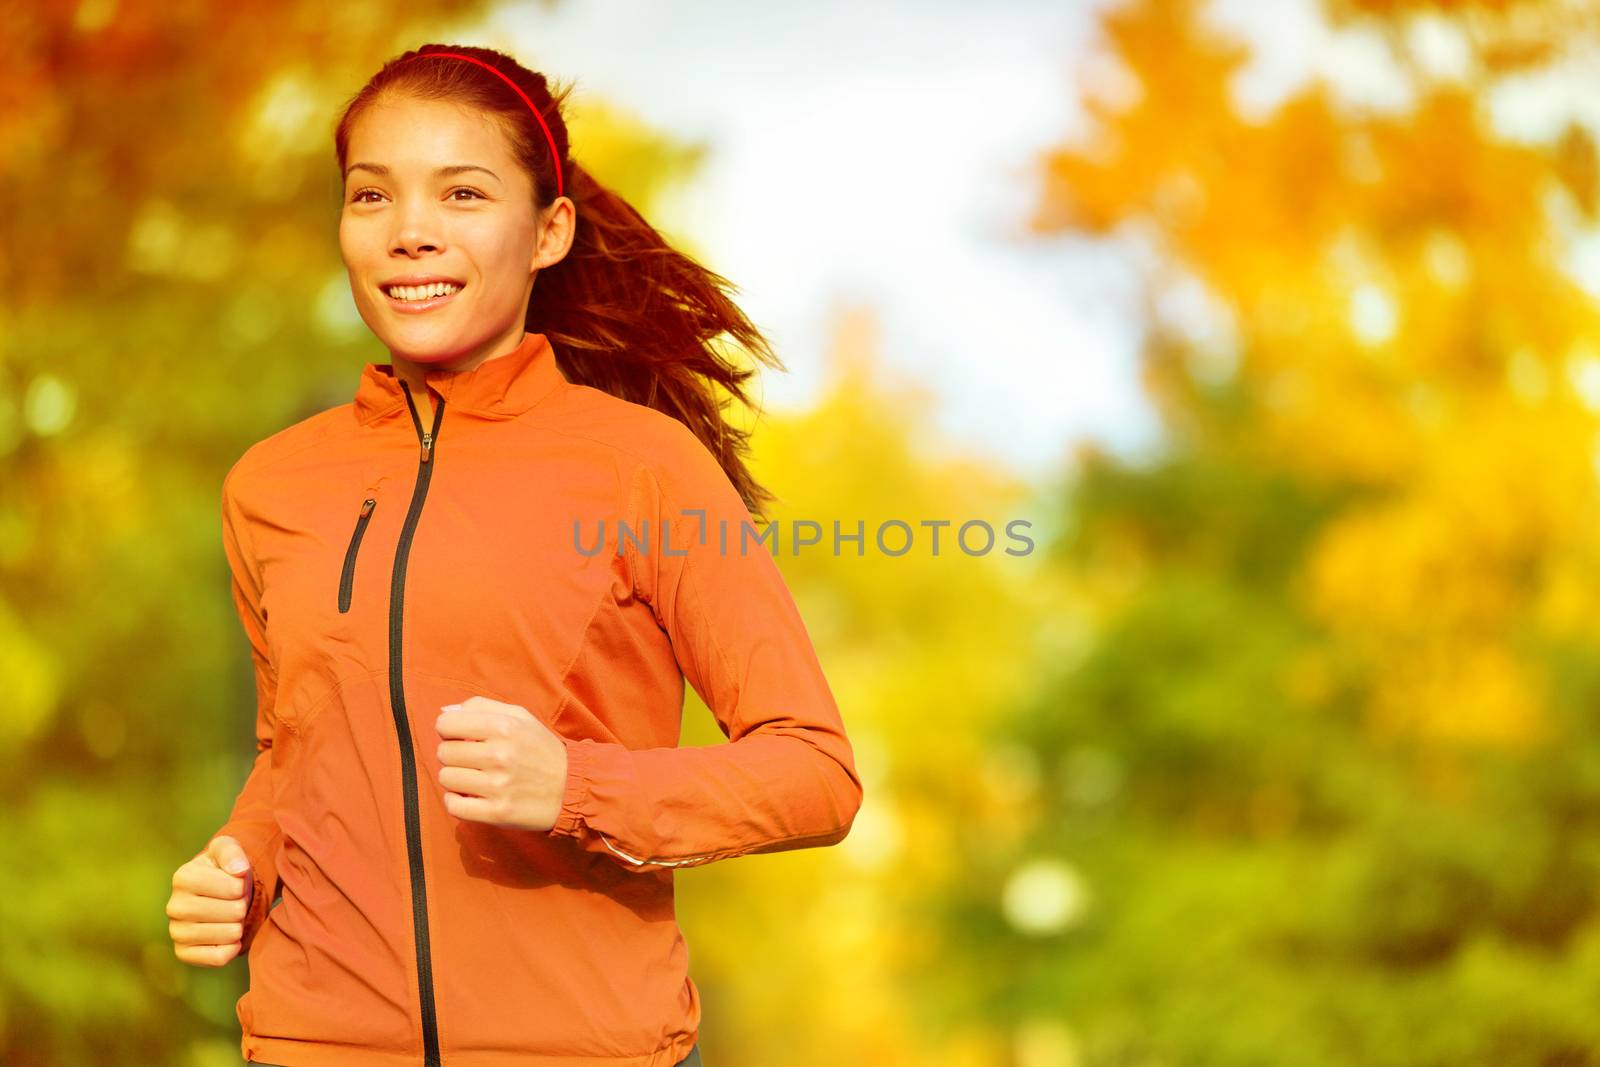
(408, 760)
(347, 579)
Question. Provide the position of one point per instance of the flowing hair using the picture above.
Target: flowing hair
(625, 312)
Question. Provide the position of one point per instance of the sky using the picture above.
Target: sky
(880, 154)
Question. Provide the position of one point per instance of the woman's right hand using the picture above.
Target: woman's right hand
(208, 904)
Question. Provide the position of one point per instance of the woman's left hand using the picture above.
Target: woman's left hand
(500, 765)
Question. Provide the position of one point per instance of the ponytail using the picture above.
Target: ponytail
(635, 317)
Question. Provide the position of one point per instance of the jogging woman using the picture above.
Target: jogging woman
(473, 594)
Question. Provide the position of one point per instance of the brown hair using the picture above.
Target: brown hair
(625, 311)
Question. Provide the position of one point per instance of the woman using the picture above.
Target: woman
(472, 596)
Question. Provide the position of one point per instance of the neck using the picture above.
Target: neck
(414, 371)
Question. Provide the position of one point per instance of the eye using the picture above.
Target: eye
(356, 198)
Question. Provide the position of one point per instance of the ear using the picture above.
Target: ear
(557, 229)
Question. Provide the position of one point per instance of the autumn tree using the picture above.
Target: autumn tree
(1324, 785)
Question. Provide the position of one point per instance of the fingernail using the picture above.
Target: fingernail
(237, 865)
(451, 707)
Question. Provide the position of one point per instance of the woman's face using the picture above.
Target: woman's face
(431, 188)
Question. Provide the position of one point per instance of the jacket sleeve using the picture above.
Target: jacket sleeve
(252, 821)
(786, 779)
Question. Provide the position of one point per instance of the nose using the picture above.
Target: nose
(411, 244)
(416, 232)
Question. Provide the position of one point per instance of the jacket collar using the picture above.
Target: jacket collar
(498, 388)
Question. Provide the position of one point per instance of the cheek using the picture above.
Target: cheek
(502, 252)
(351, 248)
(361, 237)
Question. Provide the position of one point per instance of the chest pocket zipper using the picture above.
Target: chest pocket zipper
(347, 579)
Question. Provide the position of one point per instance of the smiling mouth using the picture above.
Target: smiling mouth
(420, 294)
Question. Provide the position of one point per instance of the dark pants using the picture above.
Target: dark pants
(691, 1060)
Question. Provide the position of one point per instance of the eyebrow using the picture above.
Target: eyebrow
(456, 168)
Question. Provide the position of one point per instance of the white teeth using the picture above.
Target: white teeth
(422, 292)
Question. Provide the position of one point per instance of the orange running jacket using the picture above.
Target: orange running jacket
(382, 569)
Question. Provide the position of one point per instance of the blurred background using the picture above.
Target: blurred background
(1276, 319)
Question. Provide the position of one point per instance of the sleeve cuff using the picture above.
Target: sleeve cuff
(569, 822)
(256, 915)
(263, 887)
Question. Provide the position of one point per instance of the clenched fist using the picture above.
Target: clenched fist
(210, 898)
(499, 764)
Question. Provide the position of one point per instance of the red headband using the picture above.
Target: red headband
(555, 156)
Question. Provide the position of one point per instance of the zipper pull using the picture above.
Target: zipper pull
(427, 446)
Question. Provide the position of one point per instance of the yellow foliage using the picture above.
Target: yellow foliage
(1407, 334)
